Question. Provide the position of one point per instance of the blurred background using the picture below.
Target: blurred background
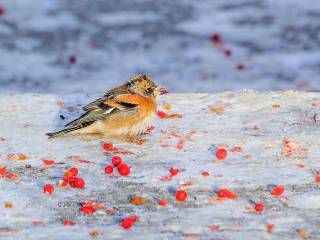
(82, 46)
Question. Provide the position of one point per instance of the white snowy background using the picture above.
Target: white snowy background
(259, 128)
(277, 41)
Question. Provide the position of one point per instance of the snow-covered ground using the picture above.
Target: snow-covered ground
(271, 139)
(278, 41)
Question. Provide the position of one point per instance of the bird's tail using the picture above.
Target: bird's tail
(62, 132)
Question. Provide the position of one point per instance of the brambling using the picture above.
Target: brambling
(125, 110)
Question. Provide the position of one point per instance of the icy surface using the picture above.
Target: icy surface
(278, 41)
(260, 123)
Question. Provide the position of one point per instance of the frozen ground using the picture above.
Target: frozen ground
(277, 41)
(271, 138)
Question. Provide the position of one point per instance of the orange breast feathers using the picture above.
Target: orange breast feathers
(146, 105)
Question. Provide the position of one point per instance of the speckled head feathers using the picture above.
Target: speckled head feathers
(143, 85)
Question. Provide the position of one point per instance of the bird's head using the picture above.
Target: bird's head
(143, 85)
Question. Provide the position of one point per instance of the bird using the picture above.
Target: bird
(125, 110)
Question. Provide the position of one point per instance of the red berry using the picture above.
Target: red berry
(2, 10)
(205, 174)
(127, 223)
(259, 207)
(277, 191)
(77, 183)
(68, 175)
(161, 114)
(150, 129)
(174, 171)
(215, 38)
(87, 209)
(74, 171)
(225, 193)
(108, 146)
(181, 195)
(48, 188)
(3, 171)
(240, 66)
(123, 169)
(116, 160)
(221, 153)
(63, 183)
(11, 175)
(72, 59)
(318, 178)
(48, 162)
(163, 202)
(108, 169)
(227, 52)
(69, 223)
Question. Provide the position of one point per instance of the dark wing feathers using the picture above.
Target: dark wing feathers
(90, 117)
(99, 111)
(110, 95)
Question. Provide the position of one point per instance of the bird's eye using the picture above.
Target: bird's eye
(149, 90)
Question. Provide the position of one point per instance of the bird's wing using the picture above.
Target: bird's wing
(110, 95)
(103, 108)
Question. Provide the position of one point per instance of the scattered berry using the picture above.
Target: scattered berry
(72, 59)
(259, 207)
(2, 10)
(221, 153)
(63, 183)
(8, 205)
(277, 191)
(269, 227)
(68, 223)
(68, 175)
(124, 169)
(150, 129)
(215, 38)
(161, 114)
(74, 171)
(77, 183)
(108, 146)
(116, 161)
(48, 162)
(181, 195)
(240, 66)
(205, 174)
(174, 171)
(3, 170)
(11, 175)
(225, 193)
(215, 228)
(48, 188)
(87, 209)
(108, 169)
(163, 202)
(127, 223)
(227, 52)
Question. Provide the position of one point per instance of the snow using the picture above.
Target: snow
(278, 41)
(259, 123)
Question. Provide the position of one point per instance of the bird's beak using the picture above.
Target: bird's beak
(163, 91)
